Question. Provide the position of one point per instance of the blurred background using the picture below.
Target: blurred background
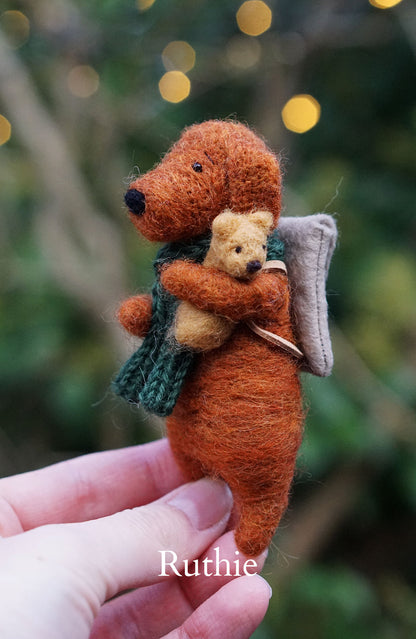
(94, 92)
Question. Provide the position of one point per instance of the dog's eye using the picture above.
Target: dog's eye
(238, 249)
(197, 167)
(264, 247)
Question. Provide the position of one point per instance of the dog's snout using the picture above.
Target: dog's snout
(135, 201)
(253, 266)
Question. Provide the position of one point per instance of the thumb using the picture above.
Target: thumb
(125, 549)
(81, 565)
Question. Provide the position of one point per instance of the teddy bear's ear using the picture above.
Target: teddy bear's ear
(225, 223)
(262, 219)
(253, 173)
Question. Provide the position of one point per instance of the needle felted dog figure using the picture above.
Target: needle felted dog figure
(238, 247)
(238, 414)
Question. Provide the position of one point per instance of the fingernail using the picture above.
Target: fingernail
(259, 560)
(264, 554)
(267, 584)
(205, 502)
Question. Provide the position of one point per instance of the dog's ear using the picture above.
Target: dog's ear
(253, 173)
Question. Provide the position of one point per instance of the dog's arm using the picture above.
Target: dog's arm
(135, 314)
(217, 292)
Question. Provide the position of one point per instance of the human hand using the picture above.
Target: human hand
(67, 550)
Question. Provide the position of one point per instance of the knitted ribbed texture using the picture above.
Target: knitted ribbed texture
(154, 375)
(275, 247)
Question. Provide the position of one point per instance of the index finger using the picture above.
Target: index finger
(91, 486)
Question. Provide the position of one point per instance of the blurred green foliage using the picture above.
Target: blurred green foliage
(353, 576)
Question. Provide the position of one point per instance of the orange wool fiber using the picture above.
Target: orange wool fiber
(135, 314)
(238, 247)
(238, 172)
(239, 415)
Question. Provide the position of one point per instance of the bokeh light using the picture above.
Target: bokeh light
(242, 52)
(178, 56)
(16, 26)
(83, 81)
(384, 4)
(254, 17)
(301, 113)
(5, 130)
(143, 5)
(174, 86)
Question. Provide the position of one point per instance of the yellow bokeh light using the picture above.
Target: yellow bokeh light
(83, 81)
(5, 130)
(178, 56)
(254, 17)
(242, 52)
(174, 86)
(143, 5)
(384, 4)
(301, 113)
(16, 26)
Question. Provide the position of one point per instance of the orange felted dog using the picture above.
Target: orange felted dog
(238, 413)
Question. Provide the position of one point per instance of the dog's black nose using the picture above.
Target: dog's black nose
(253, 266)
(135, 201)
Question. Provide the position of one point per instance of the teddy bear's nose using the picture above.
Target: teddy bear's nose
(135, 201)
(253, 266)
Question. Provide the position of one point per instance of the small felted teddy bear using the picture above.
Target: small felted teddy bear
(238, 247)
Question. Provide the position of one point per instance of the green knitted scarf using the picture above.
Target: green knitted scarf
(154, 375)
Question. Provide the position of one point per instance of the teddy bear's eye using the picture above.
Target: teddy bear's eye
(197, 167)
(264, 247)
(238, 249)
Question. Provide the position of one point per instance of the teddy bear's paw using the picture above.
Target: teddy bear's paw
(200, 330)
